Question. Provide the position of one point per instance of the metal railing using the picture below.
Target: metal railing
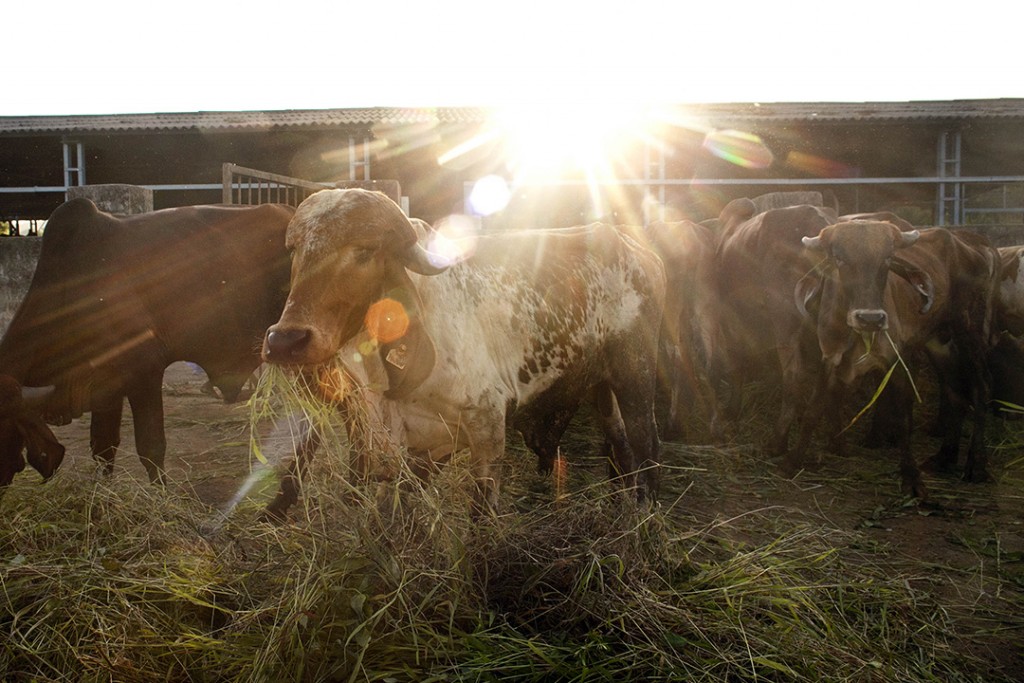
(243, 185)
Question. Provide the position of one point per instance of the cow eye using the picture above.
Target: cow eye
(364, 254)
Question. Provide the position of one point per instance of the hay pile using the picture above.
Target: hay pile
(394, 581)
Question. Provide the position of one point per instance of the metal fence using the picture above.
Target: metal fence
(251, 186)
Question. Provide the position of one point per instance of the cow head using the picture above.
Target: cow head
(858, 258)
(350, 251)
(23, 433)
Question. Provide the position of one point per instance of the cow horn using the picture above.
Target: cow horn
(34, 397)
(419, 260)
(813, 242)
(908, 238)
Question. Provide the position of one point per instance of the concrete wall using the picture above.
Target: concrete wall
(18, 256)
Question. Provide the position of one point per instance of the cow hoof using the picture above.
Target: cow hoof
(977, 475)
(790, 467)
(673, 433)
(939, 464)
(916, 489)
(272, 516)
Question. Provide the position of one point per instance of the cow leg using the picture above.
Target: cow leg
(672, 373)
(105, 431)
(952, 407)
(976, 467)
(632, 405)
(288, 492)
(797, 373)
(884, 428)
(910, 475)
(147, 404)
(977, 380)
(616, 448)
(795, 459)
(485, 429)
(542, 434)
(726, 403)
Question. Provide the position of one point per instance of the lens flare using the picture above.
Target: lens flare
(489, 195)
(332, 384)
(386, 320)
(737, 147)
(453, 240)
(819, 166)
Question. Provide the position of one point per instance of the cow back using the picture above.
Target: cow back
(113, 296)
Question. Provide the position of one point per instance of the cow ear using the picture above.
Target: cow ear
(737, 211)
(918, 279)
(807, 290)
(408, 359)
(44, 452)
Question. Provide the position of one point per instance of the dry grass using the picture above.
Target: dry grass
(395, 581)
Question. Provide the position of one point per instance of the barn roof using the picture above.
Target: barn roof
(243, 121)
(237, 120)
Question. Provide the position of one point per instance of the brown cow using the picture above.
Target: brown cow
(686, 249)
(863, 317)
(1009, 313)
(114, 301)
(745, 303)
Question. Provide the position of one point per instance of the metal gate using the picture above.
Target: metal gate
(250, 186)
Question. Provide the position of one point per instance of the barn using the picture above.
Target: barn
(934, 163)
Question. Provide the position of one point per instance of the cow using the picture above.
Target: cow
(903, 224)
(1010, 298)
(529, 322)
(866, 320)
(745, 305)
(114, 301)
(1006, 358)
(686, 249)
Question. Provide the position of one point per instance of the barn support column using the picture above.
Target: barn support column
(654, 186)
(949, 202)
(74, 163)
(116, 198)
(358, 158)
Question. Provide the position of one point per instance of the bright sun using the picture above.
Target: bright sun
(576, 143)
(553, 142)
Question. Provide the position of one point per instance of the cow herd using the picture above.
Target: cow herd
(516, 329)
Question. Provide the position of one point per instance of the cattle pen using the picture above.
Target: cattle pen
(745, 567)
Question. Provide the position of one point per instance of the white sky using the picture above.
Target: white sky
(110, 56)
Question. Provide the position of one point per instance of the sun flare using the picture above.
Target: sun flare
(553, 142)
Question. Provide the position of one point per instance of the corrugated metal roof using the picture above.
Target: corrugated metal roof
(329, 118)
(867, 111)
(237, 121)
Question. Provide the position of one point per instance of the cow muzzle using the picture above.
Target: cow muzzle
(287, 345)
(868, 319)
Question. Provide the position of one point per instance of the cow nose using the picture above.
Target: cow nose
(282, 345)
(871, 320)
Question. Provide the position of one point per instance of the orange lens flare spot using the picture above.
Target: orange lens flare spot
(332, 383)
(386, 321)
(561, 475)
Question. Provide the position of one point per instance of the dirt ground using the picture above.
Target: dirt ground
(965, 548)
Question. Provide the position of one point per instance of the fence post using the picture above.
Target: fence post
(227, 178)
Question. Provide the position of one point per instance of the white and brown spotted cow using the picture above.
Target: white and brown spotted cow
(525, 325)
